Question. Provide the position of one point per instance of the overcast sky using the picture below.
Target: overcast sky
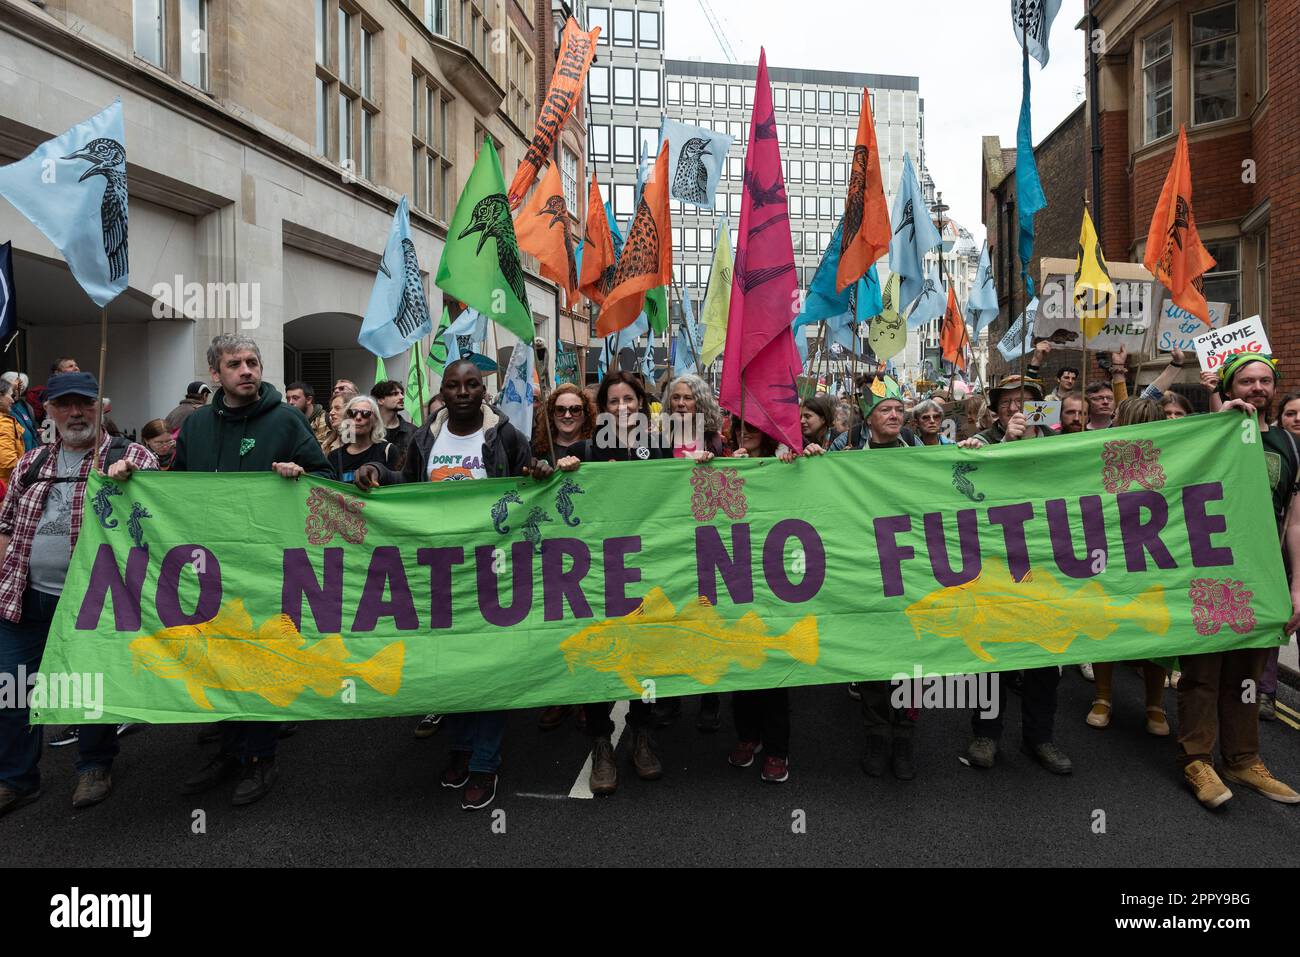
(964, 52)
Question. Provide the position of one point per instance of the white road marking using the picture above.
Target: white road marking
(582, 787)
(545, 797)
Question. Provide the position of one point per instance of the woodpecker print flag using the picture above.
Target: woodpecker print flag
(695, 160)
(73, 189)
(398, 312)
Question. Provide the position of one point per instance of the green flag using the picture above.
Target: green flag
(1140, 542)
(480, 263)
(656, 309)
(417, 385)
(381, 374)
(437, 358)
(717, 301)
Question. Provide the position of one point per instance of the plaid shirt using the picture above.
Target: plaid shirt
(24, 505)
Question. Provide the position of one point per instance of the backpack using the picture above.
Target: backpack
(117, 447)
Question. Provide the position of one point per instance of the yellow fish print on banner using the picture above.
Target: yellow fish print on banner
(273, 662)
(996, 609)
(655, 640)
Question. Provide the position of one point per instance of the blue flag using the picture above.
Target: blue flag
(516, 397)
(1029, 189)
(615, 236)
(686, 341)
(648, 358)
(73, 189)
(8, 298)
(871, 302)
(914, 236)
(398, 313)
(695, 160)
(982, 303)
(465, 336)
(932, 301)
(801, 343)
(1032, 22)
(823, 301)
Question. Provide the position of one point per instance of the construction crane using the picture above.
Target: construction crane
(716, 25)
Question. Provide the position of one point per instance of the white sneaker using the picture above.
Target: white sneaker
(1086, 671)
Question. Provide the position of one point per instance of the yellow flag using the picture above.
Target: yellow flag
(1094, 293)
(717, 301)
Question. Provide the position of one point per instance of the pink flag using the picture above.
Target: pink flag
(761, 361)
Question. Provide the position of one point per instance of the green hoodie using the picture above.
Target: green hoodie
(217, 438)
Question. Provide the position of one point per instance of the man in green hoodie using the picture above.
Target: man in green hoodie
(245, 428)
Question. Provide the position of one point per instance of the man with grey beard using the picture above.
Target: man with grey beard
(39, 524)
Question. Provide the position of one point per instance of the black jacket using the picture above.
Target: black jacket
(505, 450)
(216, 438)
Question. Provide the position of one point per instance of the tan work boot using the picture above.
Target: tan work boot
(604, 772)
(1257, 778)
(1210, 791)
(644, 758)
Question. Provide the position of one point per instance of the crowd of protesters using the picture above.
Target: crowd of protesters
(238, 422)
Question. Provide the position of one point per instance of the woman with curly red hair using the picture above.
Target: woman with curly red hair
(573, 417)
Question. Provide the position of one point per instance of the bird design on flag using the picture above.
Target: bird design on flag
(1028, 15)
(559, 213)
(641, 250)
(766, 129)
(412, 310)
(106, 156)
(491, 217)
(926, 291)
(908, 220)
(761, 196)
(691, 184)
(853, 205)
(751, 279)
(1182, 216)
(793, 387)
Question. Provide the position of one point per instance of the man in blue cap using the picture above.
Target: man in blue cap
(39, 524)
(1219, 693)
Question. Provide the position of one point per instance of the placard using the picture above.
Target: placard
(1130, 318)
(1213, 348)
(1178, 327)
(1044, 412)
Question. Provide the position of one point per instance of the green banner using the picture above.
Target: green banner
(198, 596)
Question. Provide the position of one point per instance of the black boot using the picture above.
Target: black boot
(904, 767)
(873, 760)
(709, 720)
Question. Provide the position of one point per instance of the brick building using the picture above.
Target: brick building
(1062, 167)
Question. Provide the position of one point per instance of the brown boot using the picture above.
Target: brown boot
(1258, 779)
(644, 758)
(604, 772)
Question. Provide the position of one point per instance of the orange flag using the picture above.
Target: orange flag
(952, 335)
(647, 259)
(598, 253)
(577, 47)
(1175, 255)
(866, 234)
(542, 229)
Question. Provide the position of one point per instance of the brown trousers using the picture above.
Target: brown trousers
(1210, 705)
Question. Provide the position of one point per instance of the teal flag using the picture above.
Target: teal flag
(1141, 542)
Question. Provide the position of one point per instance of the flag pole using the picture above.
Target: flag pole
(543, 376)
(1024, 266)
(1083, 328)
(99, 406)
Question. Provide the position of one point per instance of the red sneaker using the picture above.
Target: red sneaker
(776, 770)
(480, 791)
(457, 771)
(742, 756)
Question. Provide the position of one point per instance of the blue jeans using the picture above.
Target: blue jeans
(23, 644)
(478, 734)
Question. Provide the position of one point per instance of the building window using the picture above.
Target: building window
(322, 33)
(569, 176)
(823, 207)
(809, 136)
(796, 171)
(706, 94)
(435, 17)
(520, 96)
(735, 168)
(431, 162)
(148, 29)
(624, 144)
(840, 101)
(824, 171)
(749, 97)
(649, 143)
(796, 134)
(648, 28)
(840, 136)
(734, 131)
(688, 90)
(1261, 274)
(599, 136)
(649, 80)
(624, 194)
(674, 92)
(837, 207)
(1158, 83)
(778, 98)
(823, 137)
(346, 158)
(624, 28)
(322, 116)
(690, 238)
(1223, 281)
(841, 173)
(598, 84)
(367, 64)
(823, 101)
(706, 240)
(796, 208)
(194, 42)
(809, 101)
(624, 84)
(599, 17)
(1214, 64)
(855, 103)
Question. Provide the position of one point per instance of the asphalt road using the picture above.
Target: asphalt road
(366, 793)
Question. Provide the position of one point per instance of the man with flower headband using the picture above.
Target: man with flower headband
(882, 428)
(1213, 686)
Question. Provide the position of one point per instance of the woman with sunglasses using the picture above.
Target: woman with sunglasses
(928, 416)
(573, 416)
(361, 434)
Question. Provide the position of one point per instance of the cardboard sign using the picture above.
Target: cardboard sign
(1179, 328)
(1046, 413)
(1213, 348)
(1130, 317)
(1018, 338)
